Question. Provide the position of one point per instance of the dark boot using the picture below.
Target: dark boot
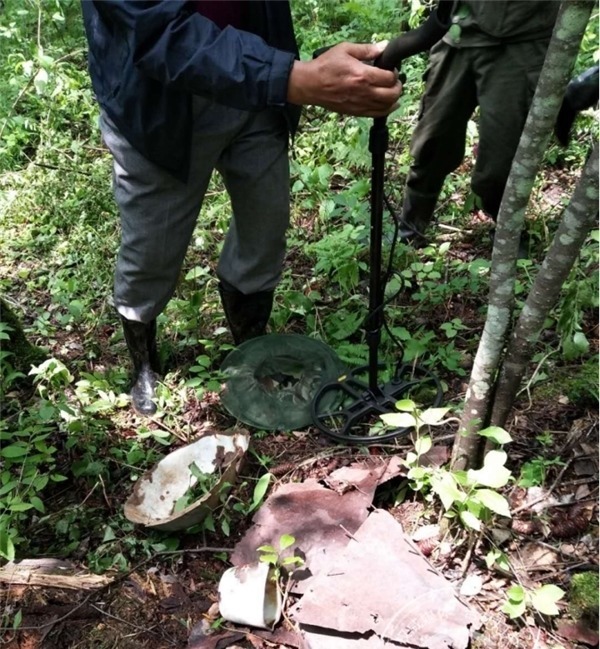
(417, 212)
(247, 315)
(141, 342)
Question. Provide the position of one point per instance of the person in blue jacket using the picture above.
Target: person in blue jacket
(187, 87)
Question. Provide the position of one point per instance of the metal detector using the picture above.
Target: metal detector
(358, 401)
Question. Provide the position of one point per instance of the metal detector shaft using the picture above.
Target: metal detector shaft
(378, 144)
(344, 405)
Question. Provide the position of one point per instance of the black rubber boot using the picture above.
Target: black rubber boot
(141, 342)
(247, 315)
(417, 212)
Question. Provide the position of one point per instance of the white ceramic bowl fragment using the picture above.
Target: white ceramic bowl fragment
(250, 596)
(158, 490)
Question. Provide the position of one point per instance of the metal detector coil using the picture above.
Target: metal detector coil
(343, 410)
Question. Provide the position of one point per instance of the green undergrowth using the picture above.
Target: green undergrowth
(70, 450)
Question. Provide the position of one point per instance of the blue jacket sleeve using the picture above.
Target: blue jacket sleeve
(173, 44)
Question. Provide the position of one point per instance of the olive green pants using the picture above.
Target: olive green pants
(501, 80)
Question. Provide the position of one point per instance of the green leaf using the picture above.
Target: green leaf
(292, 560)
(109, 534)
(399, 419)
(7, 548)
(514, 609)
(454, 33)
(225, 526)
(470, 520)
(267, 548)
(493, 474)
(544, 599)
(286, 541)
(411, 458)
(17, 619)
(406, 405)
(20, 507)
(491, 556)
(433, 416)
(494, 501)
(581, 342)
(268, 558)
(444, 485)
(422, 445)
(14, 450)
(40, 81)
(37, 503)
(259, 491)
(209, 523)
(516, 593)
(418, 473)
(498, 558)
(497, 434)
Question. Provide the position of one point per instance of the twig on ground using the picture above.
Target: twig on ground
(468, 555)
(183, 438)
(118, 580)
(120, 619)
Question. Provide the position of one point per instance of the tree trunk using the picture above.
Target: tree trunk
(562, 52)
(580, 217)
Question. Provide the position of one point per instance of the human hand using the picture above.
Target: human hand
(340, 81)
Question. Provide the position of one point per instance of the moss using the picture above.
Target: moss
(579, 384)
(583, 599)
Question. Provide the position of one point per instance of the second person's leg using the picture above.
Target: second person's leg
(255, 169)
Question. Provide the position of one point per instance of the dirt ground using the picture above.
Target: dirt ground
(168, 600)
(161, 602)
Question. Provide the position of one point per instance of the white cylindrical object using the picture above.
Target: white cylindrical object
(249, 595)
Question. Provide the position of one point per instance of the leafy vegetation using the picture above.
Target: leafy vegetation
(69, 446)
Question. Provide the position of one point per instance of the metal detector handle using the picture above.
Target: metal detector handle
(412, 42)
(419, 39)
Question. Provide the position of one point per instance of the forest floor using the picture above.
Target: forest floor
(166, 599)
(159, 603)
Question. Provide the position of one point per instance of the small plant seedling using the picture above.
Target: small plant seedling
(470, 496)
(533, 473)
(272, 556)
(411, 416)
(542, 599)
(203, 485)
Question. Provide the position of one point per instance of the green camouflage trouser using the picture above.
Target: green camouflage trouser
(501, 80)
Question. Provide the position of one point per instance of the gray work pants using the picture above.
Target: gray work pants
(158, 212)
(501, 80)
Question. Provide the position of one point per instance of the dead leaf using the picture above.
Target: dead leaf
(435, 456)
(534, 555)
(471, 586)
(577, 632)
(203, 636)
